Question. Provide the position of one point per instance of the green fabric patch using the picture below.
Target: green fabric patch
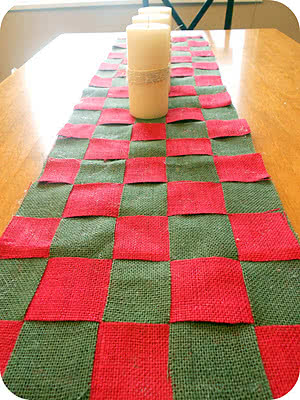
(144, 199)
(53, 360)
(180, 44)
(106, 74)
(139, 291)
(181, 65)
(184, 101)
(203, 48)
(210, 89)
(151, 121)
(185, 130)
(147, 148)
(69, 148)
(226, 113)
(204, 59)
(85, 117)
(119, 82)
(250, 197)
(214, 72)
(202, 235)
(87, 237)
(113, 132)
(112, 102)
(95, 92)
(216, 361)
(19, 279)
(191, 168)
(184, 81)
(232, 146)
(45, 200)
(273, 290)
(94, 171)
(181, 53)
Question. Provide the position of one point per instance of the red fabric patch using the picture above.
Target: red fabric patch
(142, 238)
(106, 149)
(180, 48)
(184, 113)
(146, 131)
(145, 169)
(60, 170)
(131, 362)
(182, 147)
(71, 289)
(116, 55)
(209, 289)
(202, 53)
(215, 100)
(183, 71)
(28, 237)
(178, 39)
(206, 65)
(115, 116)
(108, 67)
(195, 198)
(264, 237)
(94, 199)
(101, 82)
(187, 90)
(118, 92)
(208, 80)
(235, 127)
(181, 59)
(80, 131)
(241, 168)
(90, 103)
(121, 73)
(280, 352)
(9, 332)
(194, 43)
(125, 61)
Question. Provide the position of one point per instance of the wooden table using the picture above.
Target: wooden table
(260, 67)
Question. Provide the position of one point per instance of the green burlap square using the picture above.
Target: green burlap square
(139, 291)
(214, 72)
(216, 361)
(250, 197)
(45, 200)
(87, 237)
(273, 290)
(185, 81)
(106, 74)
(226, 113)
(53, 360)
(69, 148)
(94, 171)
(203, 48)
(114, 132)
(181, 53)
(203, 59)
(119, 82)
(232, 146)
(181, 65)
(180, 44)
(112, 102)
(19, 279)
(148, 148)
(184, 101)
(151, 121)
(144, 199)
(95, 92)
(186, 130)
(84, 117)
(203, 235)
(191, 168)
(210, 89)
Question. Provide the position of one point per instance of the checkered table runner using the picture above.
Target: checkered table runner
(152, 259)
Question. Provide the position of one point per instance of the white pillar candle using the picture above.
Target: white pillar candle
(148, 48)
(156, 18)
(157, 10)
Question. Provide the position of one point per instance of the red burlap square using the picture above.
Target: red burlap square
(145, 169)
(115, 116)
(146, 131)
(206, 65)
(121, 73)
(215, 100)
(131, 362)
(202, 53)
(90, 103)
(184, 113)
(118, 92)
(80, 131)
(178, 39)
(182, 147)
(181, 59)
(108, 67)
(241, 168)
(106, 149)
(60, 171)
(235, 127)
(116, 55)
(279, 347)
(182, 71)
(180, 48)
(28, 237)
(9, 332)
(94, 199)
(142, 238)
(195, 43)
(187, 90)
(101, 82)
(208, 80)
(209, 289)
(264, 237)
(195, 198)
(72, 289)
(125, 61)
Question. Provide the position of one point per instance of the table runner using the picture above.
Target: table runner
(152, 259)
